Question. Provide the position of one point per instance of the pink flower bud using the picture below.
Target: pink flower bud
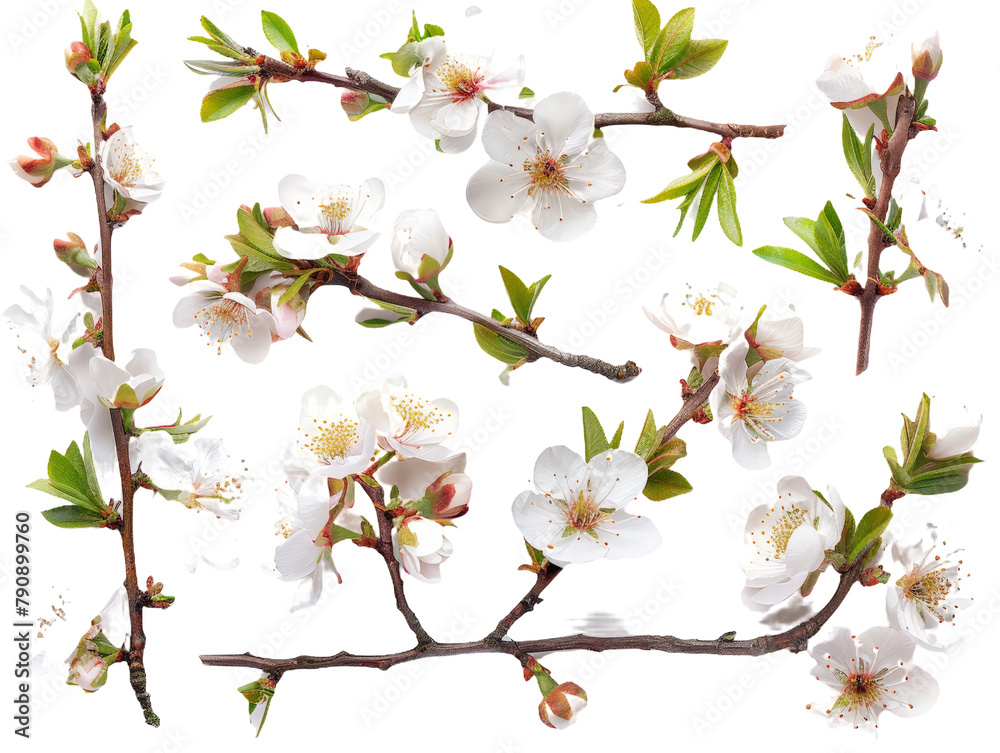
(76, 54)
(449, 495)
(927, 58)
(354, 102)
(560, 707)
(38, 170)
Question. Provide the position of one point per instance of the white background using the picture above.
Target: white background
(690, 586)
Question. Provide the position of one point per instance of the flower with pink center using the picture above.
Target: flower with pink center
(548, 166)
(578, 513)
(224, 314)
(328, 219)
(446, 93)
(871, 673)
(756, 407)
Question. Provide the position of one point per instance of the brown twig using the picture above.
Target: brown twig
(137, 639)
(384, 547)
(661, 116)
(536, 349)
(794, 639)
(692, 404)
(543, 578)
(891, 163)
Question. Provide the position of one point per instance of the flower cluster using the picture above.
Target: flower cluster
(755, 405)
(391, 439)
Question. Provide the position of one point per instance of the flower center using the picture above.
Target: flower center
(583, 514)
(334, 214)
(128, 164)
(334, 440)
(417, 414)
(701, 305)
(862, 691)
(785, 526)
(928, 588)
(462, 81)
(54, 351)
(545, 172)
(224, 319)
(746, 405)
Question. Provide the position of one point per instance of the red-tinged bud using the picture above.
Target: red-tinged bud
(449, 495)
(74, 253)
(76, 54)
(562, 705)
(39, 170)
(354, 102)
(277, 217)
(927, 58)
(873, 576)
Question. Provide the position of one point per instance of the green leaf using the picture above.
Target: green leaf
(501, 348)
(728, 218)
(796, 261)
(805, 229)
(616, 440)
(594, 439)
(295, 287)
(90, 470)
(857, 160)
(831, 244)
(430, 30)
(672, 42)
(870, 527)
(700, 57)
(649, 437)
(525, 93)
(647, 23)
(223, 102)
(707, 197)
(71, 516)
(518, 293)
(665, 484)
(219, 35)
(63, 470)
(522, 297)
(256, 236)
(278, 32)
(685, 184)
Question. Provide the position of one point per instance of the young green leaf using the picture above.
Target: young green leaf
(649, 437)
(672, 42)
(594, 439)
(278, 32)
(647, 23)
(223, 102)
(685, 184)
(830, 242)
(869, 528)
(501, 348)
(797, 262)
(665, 484)
(728, 218)
(71, 516)
(707, 197)
(699, 58)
